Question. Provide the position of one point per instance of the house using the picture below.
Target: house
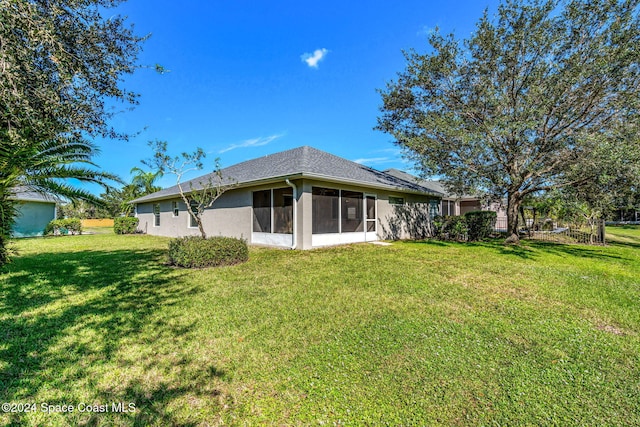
(452, 204)
(301, 198)
(35, 211)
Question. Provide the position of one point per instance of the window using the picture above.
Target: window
(325, 203)
(193, 206)
(434, 208)
(174, 207)
(352, 214)
(396, 200)
(262, 211)
(283, 210)
(156, 215)
(446, 208)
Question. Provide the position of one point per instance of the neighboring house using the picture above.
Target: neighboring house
(301, 198)
(452, 204)
(35, 211)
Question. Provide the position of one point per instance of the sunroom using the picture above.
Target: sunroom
(273, 217)
(342, 216)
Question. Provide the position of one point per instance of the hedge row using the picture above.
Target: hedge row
(64, 226)
(197, 252)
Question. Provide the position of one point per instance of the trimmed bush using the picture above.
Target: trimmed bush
(64, 226)
(196, 252)
(480, 224)
(450, 227)
(125, 225)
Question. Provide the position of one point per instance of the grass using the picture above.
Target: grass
(423, 333)
(98, 230)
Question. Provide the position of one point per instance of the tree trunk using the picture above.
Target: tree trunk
(513, 208)
(201, 228)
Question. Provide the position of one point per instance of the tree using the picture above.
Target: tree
(116, 201)
(45, 167)
(145, 180)
(200, 193)
(60, 61)
(525, 104)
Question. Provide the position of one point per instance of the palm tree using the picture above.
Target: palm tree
(145, 180)
(45, 167)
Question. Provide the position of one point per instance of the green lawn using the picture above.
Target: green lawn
(410, 334)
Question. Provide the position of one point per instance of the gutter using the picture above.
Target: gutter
(294, 235)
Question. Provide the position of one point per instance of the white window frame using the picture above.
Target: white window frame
(190, 218)
(156, 216)
(375, 210)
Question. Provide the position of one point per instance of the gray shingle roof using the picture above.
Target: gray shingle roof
(433, 185)
(25, 194)
(300, 162)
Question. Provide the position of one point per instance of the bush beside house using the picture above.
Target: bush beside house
(125, 225)
(198, 252)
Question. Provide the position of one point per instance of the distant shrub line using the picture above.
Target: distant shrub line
(64, 226)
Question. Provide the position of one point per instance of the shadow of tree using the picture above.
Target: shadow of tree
(622, 240)
(409, 221)
(67, 318)
(532, 249)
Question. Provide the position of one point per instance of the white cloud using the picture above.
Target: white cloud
(373, 160)
(254, 142)
(393, 151)
(312, 59)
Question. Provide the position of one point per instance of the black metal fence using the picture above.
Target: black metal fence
(550, 231)
(501, 225)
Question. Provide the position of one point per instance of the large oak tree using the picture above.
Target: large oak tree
(526, 103)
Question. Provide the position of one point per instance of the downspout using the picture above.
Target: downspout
(294, 236)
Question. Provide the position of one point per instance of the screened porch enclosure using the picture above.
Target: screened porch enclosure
(342, 216)
(273, 217)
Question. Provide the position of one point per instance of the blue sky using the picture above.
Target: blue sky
(247, 79)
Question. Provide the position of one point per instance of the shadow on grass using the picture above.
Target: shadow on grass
(66, 319)
(623, 240)
(580, 251)
(431, 242)
(625, 244)
(531, 249)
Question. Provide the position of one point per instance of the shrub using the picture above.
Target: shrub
(197, 252)
(457, 228)
(450, 227)
(125, 225)
(64, 226)
(480, 224)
